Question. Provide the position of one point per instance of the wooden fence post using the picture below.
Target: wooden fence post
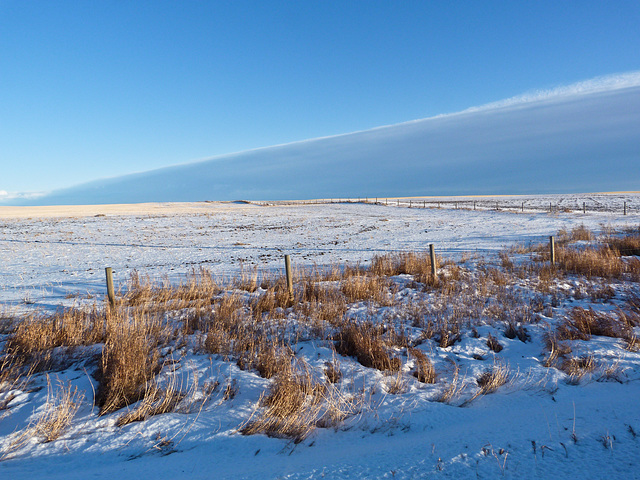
(522, 207)
(552, 250)
(584, 207)
(287, 268)
(625, 208)
(474, 205)
(110, 293)
(432, 254)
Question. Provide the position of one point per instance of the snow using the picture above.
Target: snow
(586, 430)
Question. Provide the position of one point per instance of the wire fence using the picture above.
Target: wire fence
(507, 205)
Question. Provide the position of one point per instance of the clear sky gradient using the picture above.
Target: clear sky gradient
(99, 89)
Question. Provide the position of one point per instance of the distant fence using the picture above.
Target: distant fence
(507, 205)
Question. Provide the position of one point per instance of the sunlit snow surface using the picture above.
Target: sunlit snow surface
(48, 260)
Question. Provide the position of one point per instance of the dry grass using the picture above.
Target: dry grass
(581, 324)
(492, 379)
(290, 409)
(260, 326)
(59, 410)
(401, 263)
(34, 338)
(130, 359)
(155, 401)
(557, 349)
(198, 290)
(494, 344)
(626, 245)
(364, 341)
(591, 262)
(366, 287)
(423, 370)
(452, 390)
(332, 372)
(578, 367)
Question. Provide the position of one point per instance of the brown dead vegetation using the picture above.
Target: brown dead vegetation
(246, 321)
(365, 342)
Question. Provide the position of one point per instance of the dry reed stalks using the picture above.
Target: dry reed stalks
(364, 342)
(34, 337)
(423, 370)
(453, 389)
(290, 408)
(578, 367)
(130, 359)
(581, 324)
(491, 380)
(59, 410)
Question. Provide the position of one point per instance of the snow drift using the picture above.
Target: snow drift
(584, 137)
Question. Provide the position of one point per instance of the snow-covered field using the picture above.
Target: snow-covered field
(538, 425)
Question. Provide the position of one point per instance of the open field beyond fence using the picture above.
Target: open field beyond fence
(493, 361)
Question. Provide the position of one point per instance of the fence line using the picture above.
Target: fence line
(515, 206)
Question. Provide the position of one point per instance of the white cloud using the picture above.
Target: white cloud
(605, 83)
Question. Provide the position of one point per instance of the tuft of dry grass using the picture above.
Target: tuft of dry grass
(197, 290)
(556, 348)
(581, 324)
(130, 359)
(492, 379)
(34, 338)
(332, 372)
(494, 344)
(626, 245)
(290, 408)
(408, 263)
(366, 287)
(578, 367)
(364, 342)
(453, 389)
(424, 370)
(60, 408)
(155, 401)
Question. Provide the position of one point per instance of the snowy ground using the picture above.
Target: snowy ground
(539, 425)
(46, 258)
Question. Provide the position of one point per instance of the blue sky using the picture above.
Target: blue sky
(98, 89)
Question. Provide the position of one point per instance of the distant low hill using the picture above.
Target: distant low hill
(578, 139)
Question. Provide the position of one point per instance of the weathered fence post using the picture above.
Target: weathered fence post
(386, 202)
(584, 207)
(522, 207)
(497, 206)
(410, 203)
(552, 250)
(625, 208)
(432, 254)
(424, 204)
(110, 293)
(398, 200)
(474, 205)
(287, 268)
